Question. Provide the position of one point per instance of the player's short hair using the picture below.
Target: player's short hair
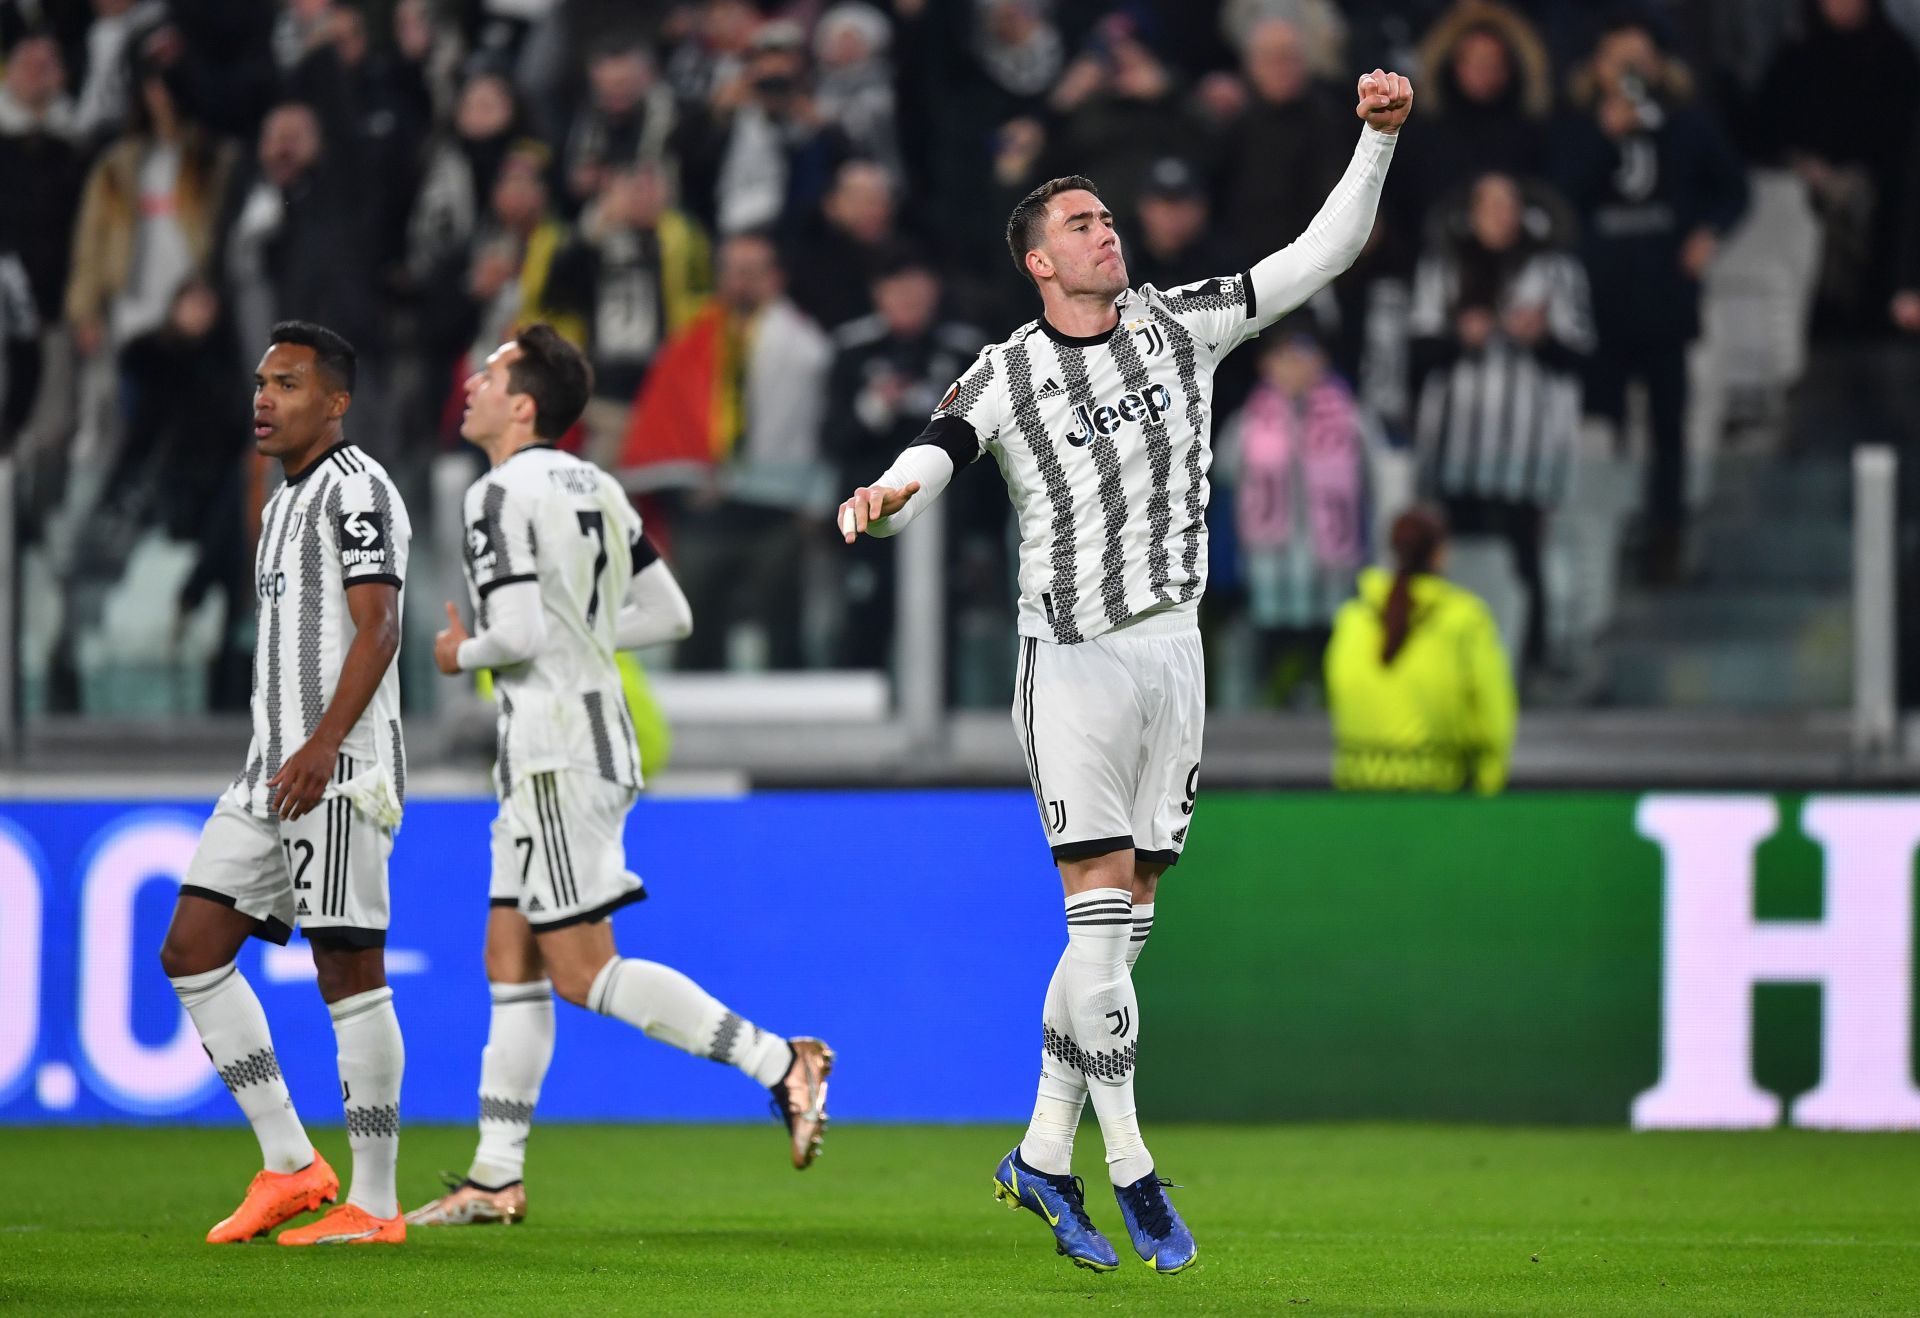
(332, 355)
(1029, 219)
(555, 375)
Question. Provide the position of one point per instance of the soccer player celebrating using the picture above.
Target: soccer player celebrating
(1098, 416)
(561, 580)
(303, 834)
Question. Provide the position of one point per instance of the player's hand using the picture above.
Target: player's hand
(303, 779)
(1905, 310)
(1386, 99)
(1697, 253)
(446, 642)
(871, 502)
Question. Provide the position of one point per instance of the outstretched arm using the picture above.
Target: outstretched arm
(1333, 240)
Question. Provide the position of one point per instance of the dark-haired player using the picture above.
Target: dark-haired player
(561, 580)
(303, 834)
(1099, 416)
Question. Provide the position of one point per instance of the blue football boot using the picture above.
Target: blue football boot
(1062, 1202)
(1161, 1238)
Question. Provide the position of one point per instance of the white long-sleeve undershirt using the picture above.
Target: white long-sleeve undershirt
(1281, 282)
(516, 629)
(654, 611)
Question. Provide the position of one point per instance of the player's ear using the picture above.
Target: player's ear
(1039, 264)
(337, 404)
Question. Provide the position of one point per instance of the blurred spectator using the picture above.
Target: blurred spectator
(834, 254)
(1284, 152)
(107, 95)
(1174, 243)
(1294, 459)
(1501, 331)
(1120, 112)
(146, 222)
(188, 405)
(33, 98)
(889, 370)
(43, 172)
(459, 173)
(1019, 51)
(710, 49)
(1319, 25)
(504, 279)
(855, 91)
(1418, 685)
(1656, 188)
(628, 119)
(1484, 104)
(737, 398)
(635, 274)
(762, 154)
(375, 108)
(1808, 102)
(296, 238)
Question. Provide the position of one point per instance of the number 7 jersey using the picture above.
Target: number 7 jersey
(547, 517)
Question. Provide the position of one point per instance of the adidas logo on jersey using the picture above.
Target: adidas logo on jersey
(1051, 389)
(534, 904)
(1148, 405)
(301, 909)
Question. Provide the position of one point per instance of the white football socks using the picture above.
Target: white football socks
(1106, 1021)
(1048, 1144)
(234, 1030)
(1142, 929)
(1062, 1097)
(372, 1058)
(519, 1050)
(665, 1005)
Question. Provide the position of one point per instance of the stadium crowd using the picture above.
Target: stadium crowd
(777, 229)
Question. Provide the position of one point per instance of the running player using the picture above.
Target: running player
(303, 834)
(1098, 415)
(562, 579)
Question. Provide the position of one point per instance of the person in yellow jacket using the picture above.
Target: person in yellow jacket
(1420, 688)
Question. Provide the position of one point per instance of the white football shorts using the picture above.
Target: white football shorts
(1111, 730)
(559, 849)
(325, 872)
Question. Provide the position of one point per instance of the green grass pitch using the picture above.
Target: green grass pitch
(1303, 1219)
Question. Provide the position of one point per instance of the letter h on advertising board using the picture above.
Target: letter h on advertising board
(1716, 950)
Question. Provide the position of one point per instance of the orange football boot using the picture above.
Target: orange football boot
(274, 1197)
(349, 1224)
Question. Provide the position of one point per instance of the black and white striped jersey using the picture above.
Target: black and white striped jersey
(339, 523)
(1104, 443)
(548, 517)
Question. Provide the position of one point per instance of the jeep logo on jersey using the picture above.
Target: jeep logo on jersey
(363, 540)
(271, 585)
(1148, 405)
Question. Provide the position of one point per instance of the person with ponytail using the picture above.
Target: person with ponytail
(1418, 681)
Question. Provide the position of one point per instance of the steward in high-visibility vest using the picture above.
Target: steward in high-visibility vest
(1421, 692)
